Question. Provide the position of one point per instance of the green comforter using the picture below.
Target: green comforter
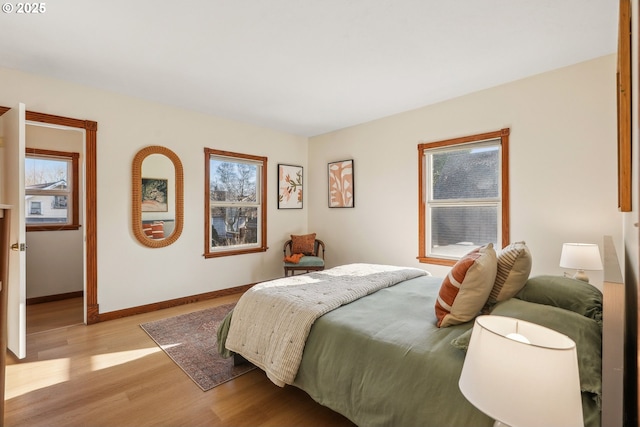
(395, 368)
(381, 361)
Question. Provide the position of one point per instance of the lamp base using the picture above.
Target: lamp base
(581, 275)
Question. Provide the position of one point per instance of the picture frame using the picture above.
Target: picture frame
(290, 184)
(154, 195)
(341, 184)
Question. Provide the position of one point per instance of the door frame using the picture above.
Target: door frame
(90, 219)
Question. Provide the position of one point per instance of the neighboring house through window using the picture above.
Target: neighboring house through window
(464, 196)
(235, 203)
(51, 190)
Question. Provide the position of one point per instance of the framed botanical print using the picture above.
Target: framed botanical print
(341, 190)
(289, 187)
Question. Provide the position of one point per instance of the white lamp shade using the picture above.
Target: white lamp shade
(522, 384)
(580, 256)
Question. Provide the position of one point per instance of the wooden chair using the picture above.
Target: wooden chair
(307, 263)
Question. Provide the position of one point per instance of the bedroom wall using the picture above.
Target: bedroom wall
(130, 274)
(563, 177)
(562, 168)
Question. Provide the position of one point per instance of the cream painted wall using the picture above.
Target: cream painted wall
(55, 258)
(562, 168)
(563, 177)
(130, 274)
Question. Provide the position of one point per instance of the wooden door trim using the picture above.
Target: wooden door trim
(91, 129)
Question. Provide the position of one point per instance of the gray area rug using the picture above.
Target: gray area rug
(190, 340)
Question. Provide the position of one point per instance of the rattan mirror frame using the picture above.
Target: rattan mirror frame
(136, 196)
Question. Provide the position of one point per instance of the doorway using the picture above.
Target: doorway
(54, 207)
(90, 302)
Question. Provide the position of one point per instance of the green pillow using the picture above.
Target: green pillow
(585, 332)
(570, 294)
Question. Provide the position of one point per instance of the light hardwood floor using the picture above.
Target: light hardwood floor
(113, 374)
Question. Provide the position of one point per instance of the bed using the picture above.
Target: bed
(381, 360)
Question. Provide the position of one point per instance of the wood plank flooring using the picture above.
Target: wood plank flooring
(113, 374)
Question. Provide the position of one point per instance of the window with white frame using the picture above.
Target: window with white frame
(51, 190)
(464, 196)
(235, 203)
(35, 207)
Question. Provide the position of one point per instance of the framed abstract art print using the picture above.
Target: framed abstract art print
(341, 190)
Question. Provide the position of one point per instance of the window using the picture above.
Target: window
(36, 207)
(464, 196)
(235, 203)
(51, 190)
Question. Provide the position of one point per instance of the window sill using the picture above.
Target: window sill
(63, 227)
(437, 261)
(234, 252)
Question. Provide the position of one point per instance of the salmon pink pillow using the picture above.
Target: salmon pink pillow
(466, 288)
(157, 230)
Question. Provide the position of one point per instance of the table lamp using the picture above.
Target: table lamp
(522, 374)
(581, 257)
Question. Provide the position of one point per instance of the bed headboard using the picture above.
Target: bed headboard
(613, 314)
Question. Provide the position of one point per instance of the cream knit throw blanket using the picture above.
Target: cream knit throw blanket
(271, 321)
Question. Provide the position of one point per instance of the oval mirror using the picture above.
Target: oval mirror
(157, 183)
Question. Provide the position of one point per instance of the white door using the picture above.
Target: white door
(13, 122)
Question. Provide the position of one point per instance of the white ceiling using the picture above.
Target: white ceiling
(304, 66)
